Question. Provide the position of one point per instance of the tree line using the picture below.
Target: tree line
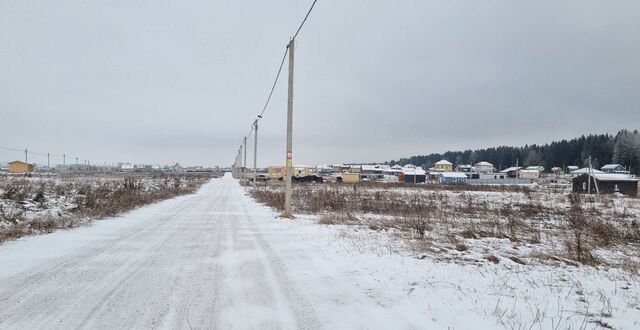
(622, 148)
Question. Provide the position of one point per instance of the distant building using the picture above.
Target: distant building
(512, 172)
(127, 167)
(529, 174)
(484, 167)
(279, 172)
(21, 167)
(464, 168)
(572, 168)
(585, 170)
(492, 176)
(614, 169)
(413, 174)
(350, 177)
(444, 166)
(536, 168)
(370, 172)
(606, 184)
(452, 178)
(557, 170)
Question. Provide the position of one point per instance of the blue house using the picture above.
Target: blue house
(614, 169)
(452, 178)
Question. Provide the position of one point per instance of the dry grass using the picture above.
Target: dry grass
(574, 227)
(25, 201)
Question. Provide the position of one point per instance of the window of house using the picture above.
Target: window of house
(615, 187)
(584, 186)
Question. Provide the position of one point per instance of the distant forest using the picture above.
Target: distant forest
(622, 148)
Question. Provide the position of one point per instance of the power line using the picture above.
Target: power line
(275, 81)
(284, 57)
(304, 20)
(11, 149)
(273, 87)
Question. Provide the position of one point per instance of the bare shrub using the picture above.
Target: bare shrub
(326, 219)
(493, 259)
(579, 250)
(468, 233)
(462, 247)
(418, 225)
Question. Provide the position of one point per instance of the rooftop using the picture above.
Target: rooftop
(452, 175)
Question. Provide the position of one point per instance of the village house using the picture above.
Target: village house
(464, 168)
(557, 170)
(606, 183)
(572, 168)
(484, 167)
(452, 178)
(443, 166)
(529, 174)
(21, 167)
(584, 170)
(614, 169)
(535, 168)
(350, 177)
(370, 172)
(512, 172)
(413, 174)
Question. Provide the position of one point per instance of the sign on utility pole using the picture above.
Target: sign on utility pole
(289, 166)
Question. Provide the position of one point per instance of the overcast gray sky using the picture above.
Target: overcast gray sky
(164, 81)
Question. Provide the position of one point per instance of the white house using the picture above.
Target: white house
(484, 167)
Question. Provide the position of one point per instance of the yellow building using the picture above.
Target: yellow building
(21, 167)
(350, 177)
(444, 166)
(278, 172)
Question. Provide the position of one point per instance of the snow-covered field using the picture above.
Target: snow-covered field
(41, 203)
(217, 259)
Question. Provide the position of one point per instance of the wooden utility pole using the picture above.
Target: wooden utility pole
(26, 158)
(64, 159)
(48, 163)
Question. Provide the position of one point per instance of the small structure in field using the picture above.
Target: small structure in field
(21, 167)
(606, 183)
(444, 166)
(614, 169)
(484, 167)
(452, 178)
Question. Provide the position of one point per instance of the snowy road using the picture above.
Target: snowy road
(214, 259)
